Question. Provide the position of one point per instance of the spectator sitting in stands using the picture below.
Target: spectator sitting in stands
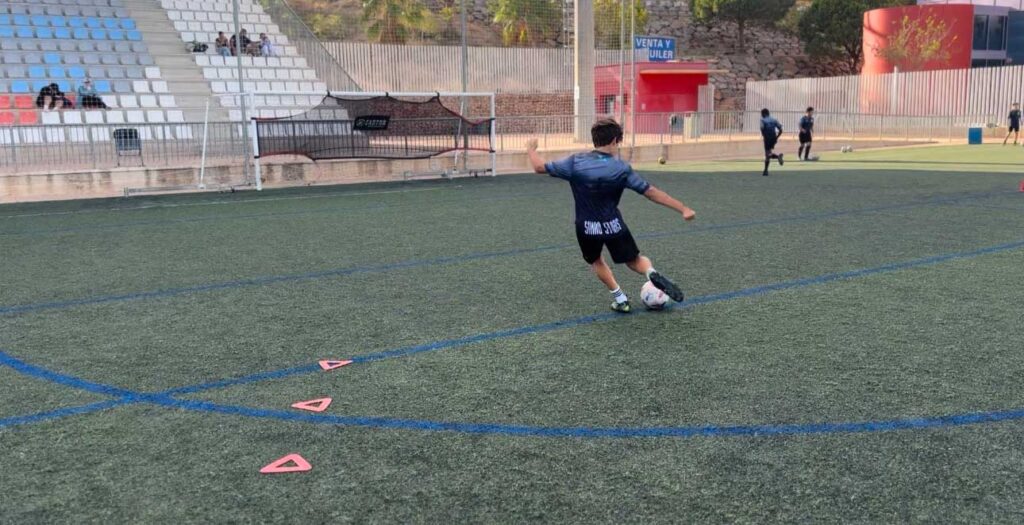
(88, 98)
(51, 97)
(222, 44)
(266, 46)
(248, 46)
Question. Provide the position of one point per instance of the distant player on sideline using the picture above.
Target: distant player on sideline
(771, 130)
(806, 135)
(1014, 119)
(597, 180)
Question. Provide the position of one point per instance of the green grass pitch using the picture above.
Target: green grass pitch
(851, 352)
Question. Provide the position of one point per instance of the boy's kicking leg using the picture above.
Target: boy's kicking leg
(642, 265)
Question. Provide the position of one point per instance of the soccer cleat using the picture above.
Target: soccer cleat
(662, 283)
(622, 308)
(765, 174)
(781, 162)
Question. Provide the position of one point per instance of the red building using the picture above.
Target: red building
(661, 87)
(980, 33)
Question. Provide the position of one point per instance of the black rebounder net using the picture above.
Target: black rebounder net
(373, 127)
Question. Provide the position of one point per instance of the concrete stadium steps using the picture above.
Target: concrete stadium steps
(184, 78)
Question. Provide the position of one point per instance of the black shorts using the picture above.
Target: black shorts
(806, 138)
(622, 247)
(1015, 128)
(769, 146)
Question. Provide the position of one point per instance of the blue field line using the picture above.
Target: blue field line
(165, 398)
(61, 379)
(598, 432)
(62, 413)
(420, 263)
(610, 316)
(263, 215)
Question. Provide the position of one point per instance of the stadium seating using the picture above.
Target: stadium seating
(200, 20)
(66, 41)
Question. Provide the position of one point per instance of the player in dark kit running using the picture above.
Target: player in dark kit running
(597, 180)
(1014, 119)
(771, 130)
(806, 135)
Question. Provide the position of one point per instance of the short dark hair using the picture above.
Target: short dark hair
(606, 132)
(810, 109)
(765, 112)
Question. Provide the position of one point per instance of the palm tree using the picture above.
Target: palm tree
(525, 21)
(394, 21)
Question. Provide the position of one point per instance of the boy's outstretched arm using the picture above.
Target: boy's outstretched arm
(535, 159)
(657, 196)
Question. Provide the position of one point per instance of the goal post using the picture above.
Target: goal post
(444, 127)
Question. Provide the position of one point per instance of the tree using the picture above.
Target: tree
(741, 12)
(526, 21)
(608, 24)
(395, 21)
(834, 29)
(917, 41)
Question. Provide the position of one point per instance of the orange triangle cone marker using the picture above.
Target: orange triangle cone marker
(316, 405)
(331, 365)
(282, 466)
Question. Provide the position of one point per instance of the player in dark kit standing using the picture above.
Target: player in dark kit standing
(597, 180)
(771, 130)
(1014, 119)
(806, 135)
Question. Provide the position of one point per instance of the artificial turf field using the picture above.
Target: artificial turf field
(850, 351)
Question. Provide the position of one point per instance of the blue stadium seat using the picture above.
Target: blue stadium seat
(39, 84)
(76, 21)
(51, 58)
(102, 86)
(62, 33)
(56, 72)
(81, 33)
(110, 23)
(76, 72)
(5, 20)
(127, 23)
(99, 34)
(37, 72)
(25, 32)
(65, 86)
(44, 32)
(93, 23)
(58, 21)
(40, 20)
(19, 86)
(134, 36)
(6, 32)
(116, 34)
(21, 20)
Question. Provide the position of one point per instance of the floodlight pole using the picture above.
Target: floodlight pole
(622, 62)
(632, 77)
(241, 92)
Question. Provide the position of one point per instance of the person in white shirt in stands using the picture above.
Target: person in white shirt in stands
(266, 46)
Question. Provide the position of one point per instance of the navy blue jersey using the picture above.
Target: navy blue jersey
(1015, 118)
(770, 129)
(597, 181)
(807, 124)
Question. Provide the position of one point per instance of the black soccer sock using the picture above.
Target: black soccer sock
(800, 152)
(807, 152)
(767, 162)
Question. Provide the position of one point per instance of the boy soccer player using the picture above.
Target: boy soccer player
(1014, 119)
(597, 180)
(806, 135)
(771, 130)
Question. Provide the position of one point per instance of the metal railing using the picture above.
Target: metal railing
(327, 68)
(68, 148)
